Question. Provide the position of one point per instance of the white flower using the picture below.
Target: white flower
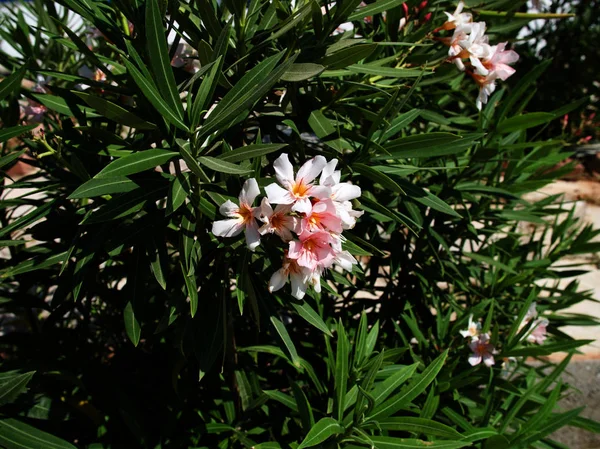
(458, 18)
(299, 277)
(242, 217)
(472, 330)
(278, 221)
(483, 350)
(297, 190)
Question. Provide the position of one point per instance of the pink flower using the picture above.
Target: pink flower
(322, 217)
(496, 62)
(313, 250)
(297, 190)
(341, 194)
(242, 217)
(492, 67)
(482, 350)
(538, 334)
(290, 270)
(278, 221)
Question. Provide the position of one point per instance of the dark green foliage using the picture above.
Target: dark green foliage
(135, 327)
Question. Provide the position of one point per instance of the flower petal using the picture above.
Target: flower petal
(345, 260)
(229, 209)
(278, 280)
(252, 237)
(278, 195)
(326, 178)
(474, 359)
(346, 192)
(227, 228)
(284, 171)
(249, 191)
(304, 206)
(311, 169)
(488, 360)
(298, 281)
(320, 192)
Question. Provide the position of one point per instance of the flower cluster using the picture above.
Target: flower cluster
(309, 219)
(480, 344)
(484, 351)
(470, 50)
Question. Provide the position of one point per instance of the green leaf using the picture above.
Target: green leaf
(546, 349)
(27, 219)
(12, 387)
(135, 163)
(151, 94)
(18, 435)
(132, 326)
(304, 408)
(302, 72)
(552, 424)
(377, 70)
(381, 178)
(282, 398)
(383, 389)
(400, 123)
(405, 443)
(419, 426)
(37, 263)
(12, 83)
(341, 369)
(124, 205)
(410, 392)
(251, 151)
(312, 317)
(426, 198)
(490, 261)
(287, 341)
(115, 112)
(524, 121)
(322, 430)
(5, 160)
(9, 133)
(160, 63)
(428, 145)
(61, 106)
(249, 89)
(104, 186)
(348, 56)
(192, 290)
(320, 124)
(206, 91)
(178, 193)
(223, 166)
(375, 8)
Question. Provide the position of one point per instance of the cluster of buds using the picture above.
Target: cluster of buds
(309, 219)
(470, 50)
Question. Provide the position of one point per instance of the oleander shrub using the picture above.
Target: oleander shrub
(268, 224)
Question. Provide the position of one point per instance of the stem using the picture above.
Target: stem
(522, 15)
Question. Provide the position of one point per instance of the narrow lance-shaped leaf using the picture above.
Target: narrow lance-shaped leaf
(159, 57)
(322, 430)
(136, 162)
